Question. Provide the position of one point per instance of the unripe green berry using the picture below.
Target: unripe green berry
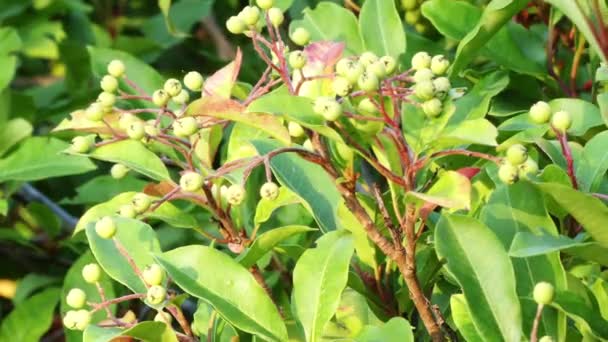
(367, 58)
(528, 168)
(76, 298)
(367, 107)
(141, 202)
(250, 15)
(432, 108)
(125, 120)
(412, 16)
(173, 87)
(546, 338)
(69, 319)
(421, 27)
(151, 129)
(442, 86)
(82, 319)
(81, 144)
(118, 171)
(390, 65)
(116, 68)
(349, 69)
(308, 145)
(127, 210)
(163, 317)
(136, 130)
(276, 16)
(300, 36)
(269, 191)
(105, 227)
(109, 83)
(409, 4)
(181, 98)
(421, 60)
(91, 273)
(153, 274)
(160, 98)
(106, 99)
(341, 86)
(156, 295)
(540, 112)
(543, 293)
(439, 65)
(368, 82)
(329, 108)
(508, 173)
(377, 68)
(424, 90)
(94, 112)
(295, 129)
(517, 154)
(235, 194)
(193, 81)
(422, 75)
(191, 181)
(561, 121)
(297, 59)
(185, 126)
(265, 4)
(235, 25)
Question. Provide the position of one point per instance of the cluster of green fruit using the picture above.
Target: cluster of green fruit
(250, 18)
(544, 294)
(541, 113)
(413, 16)
(79, 318)
(430, 86)
(517, 164)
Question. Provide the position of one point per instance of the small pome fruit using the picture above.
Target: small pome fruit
(546, 338)
(367, 58)
(173, 87)
(528, 168)
(185, 127)
(543, 293)
(329, 108)
(81, 144)
(276, 16)
(105, 227)
(151, 129)
(412, 16)
(164, 317)
(561, 121)
(439, 65)
(116, 68)
(377, 68)
(368, 82)
(424, 74)
(136, 130)
(409, 4)
(367, 107)
(127, 210)
(106, 99)
(141, 202)
(269, 191)
(153, 274)
(77, 319)
(193, 81)
(235, 194)
(182, 98)
(94, 112)
(421, 60)
(156, 294)
(109, 83)
(250, 15)
(91, 273)
(69, 319)
(295, 129)
(390, 65)
(265, 4)
(341, 86)
(308, 145)
(297, 59)
(191, 181)
(118, 171)
(424, 90)
(349, 69)
(442, 86)
(540, 112)
(508, 173)
(235, 25)
(160, 98)
(300, 36)
(76, 298)
(432, 108)
(517, 154)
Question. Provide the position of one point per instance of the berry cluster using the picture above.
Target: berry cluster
(541, 113)
(430, 86)
(516, 165)
(79, 318)
(413, 16)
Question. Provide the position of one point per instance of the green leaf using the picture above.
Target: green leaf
(267, 241)
(39, 158)
(103, 188)
(31, 283)
(94, 333)
(12, 132)
(137, 238)
(9, 66)
(266, 207)
(174, 27)
(585, 115)
(593, 163)
(397, 329)
(495, 15)
(587, 210)
(9, 41)
(452, 190)
(135, 155)
(319, 277)
(476, 102)
(73, 279)
(381, 28)
(584, 311)
(461, 313)
(166, 212)
(331, 22)
(526, 244)
(574, 12)
(234, 293)
(366, 250)
(151, 332)
(476, 131)
(231, 110)
(31, 319)
(165, 7)
(482, 267)
(309, 181)
(602, 102)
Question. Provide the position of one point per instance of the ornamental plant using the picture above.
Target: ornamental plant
(371, 184)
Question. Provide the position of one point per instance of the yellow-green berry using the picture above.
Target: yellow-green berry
(424, 74)
(265, 4)
(94, 112)
(432, 108)
(367, 58)
(91, 273)
(442, 86)
(543, 293)
(341, 86)
(439, 64)
(421, 60)
(297, 59)
(163, 317)
(106, 99)
(368, 82)
(390, 65)
(116, 68)
(424, 90)
(517, 154)
(276, 16)
(508, 173)
(127, 210)
(235, 25)
(118, 171)
(109, 83)
(561, 121)
(141, 202)
(81, 144)
(295, 129)
(528, 168)
(105, 227)
(153, 274)
(156, 294)
(185, 126)
(540, 112)
(193, 81)
(235, 194)
(191, 181)
(250, 15)
(269, 191)
(300, 36)
(136, 130)
(160, 98)
(173, 87)
(182, 98)
(76, 298)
